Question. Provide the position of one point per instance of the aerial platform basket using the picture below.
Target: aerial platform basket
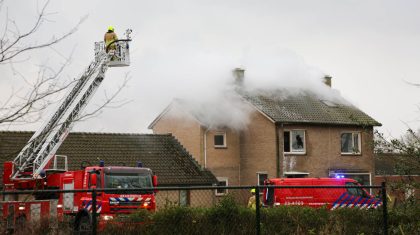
(118, 57)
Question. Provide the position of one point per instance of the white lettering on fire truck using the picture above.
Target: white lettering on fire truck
(294, 203)
(129, 195)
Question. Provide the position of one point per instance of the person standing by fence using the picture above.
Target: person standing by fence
(252, 202)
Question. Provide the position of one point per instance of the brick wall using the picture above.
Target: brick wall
(255, 149)
(258, 149)
(187, 130)
(323, 151)
(224, 161)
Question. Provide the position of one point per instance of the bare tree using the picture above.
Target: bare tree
(402, 156)
(25, 105)
(12, 40)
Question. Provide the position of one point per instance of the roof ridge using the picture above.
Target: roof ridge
(15, 131)
(120, 133)
(97, 133)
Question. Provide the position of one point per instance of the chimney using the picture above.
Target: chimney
(239, 74)
(327, 80)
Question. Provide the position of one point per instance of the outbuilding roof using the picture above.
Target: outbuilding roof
(162, 153)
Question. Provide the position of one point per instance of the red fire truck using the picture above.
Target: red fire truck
(37, 166)
(79, 205)
(331, 198)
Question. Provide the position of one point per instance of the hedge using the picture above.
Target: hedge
(230, 218)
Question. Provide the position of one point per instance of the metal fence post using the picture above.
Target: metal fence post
(94, 211)
(257, 210)
(385, 209)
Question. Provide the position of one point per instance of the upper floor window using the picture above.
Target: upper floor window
(220, 140)
(350, 143)
(294, 141)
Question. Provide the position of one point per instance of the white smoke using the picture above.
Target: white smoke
(203, 83)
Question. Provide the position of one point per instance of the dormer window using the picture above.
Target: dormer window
(220, 140)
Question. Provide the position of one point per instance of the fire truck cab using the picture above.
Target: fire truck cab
(331, 198)
(109, 205)
(77, 206)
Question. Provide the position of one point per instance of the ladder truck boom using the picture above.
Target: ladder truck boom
(43, 145)
(41, 148)
(38, 155)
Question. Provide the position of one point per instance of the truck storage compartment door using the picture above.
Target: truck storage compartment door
(68, 198)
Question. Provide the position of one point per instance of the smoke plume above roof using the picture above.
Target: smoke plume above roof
(203, 82)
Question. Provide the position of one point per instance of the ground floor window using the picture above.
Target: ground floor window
(261, 177)
(223, 181)
(184, 197)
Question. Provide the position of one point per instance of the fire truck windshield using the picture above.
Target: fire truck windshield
(128, 180)
(356, 191)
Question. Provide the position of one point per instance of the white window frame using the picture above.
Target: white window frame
(184, 197)
(224, 139)
(225, 179)
(291, 141)
(258, 176)
(352, 139)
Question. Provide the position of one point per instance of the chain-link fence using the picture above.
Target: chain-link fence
(208, 210)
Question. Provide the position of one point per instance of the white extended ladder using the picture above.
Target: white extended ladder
(43, 145)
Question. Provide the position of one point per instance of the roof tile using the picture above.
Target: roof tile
(160, 152)
(306, 107)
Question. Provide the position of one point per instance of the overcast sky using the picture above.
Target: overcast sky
(188, 48)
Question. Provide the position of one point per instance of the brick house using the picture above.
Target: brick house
(173, 165)
(297, 135)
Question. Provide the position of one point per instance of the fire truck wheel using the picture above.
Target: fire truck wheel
(84, 226)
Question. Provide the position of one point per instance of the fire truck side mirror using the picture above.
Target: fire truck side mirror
(93, 180)
(155, 183)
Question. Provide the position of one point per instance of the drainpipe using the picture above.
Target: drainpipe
(277, 152)
(279, 160)
(205, 148)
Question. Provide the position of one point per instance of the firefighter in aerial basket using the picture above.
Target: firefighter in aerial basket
(110, 36)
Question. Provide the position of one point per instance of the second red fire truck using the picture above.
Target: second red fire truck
(332, 198)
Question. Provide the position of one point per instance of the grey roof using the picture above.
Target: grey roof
(167, 158)
(306, 107)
